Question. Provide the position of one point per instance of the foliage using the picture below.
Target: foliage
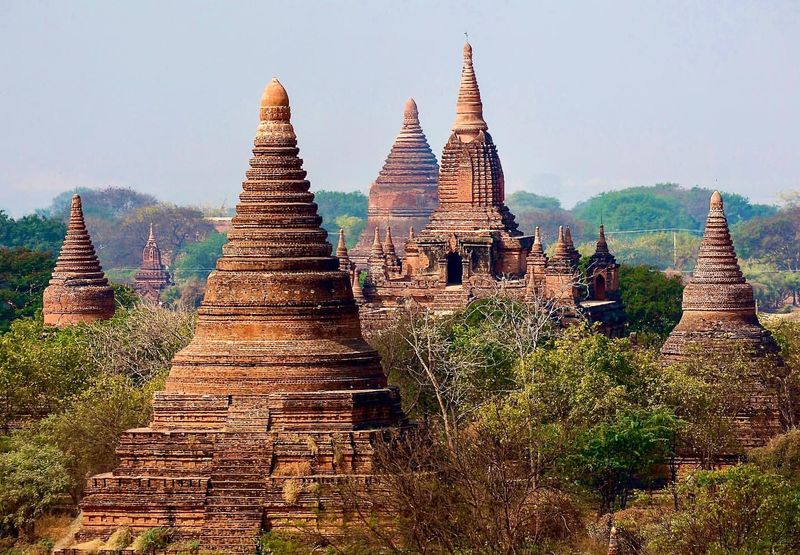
(119, 242)
(614, 457)
(738, 510)
(660, 250)
(652, 300)
(34, 232)
(549, 221)
(152, 540)
(110, 203)
(340, 210)
(524, 200)
(24, 274)
(87, 433)
(40, 368)
(33, 477)
(771, 286)
(124, 296)
(781, 456)
(197, 260)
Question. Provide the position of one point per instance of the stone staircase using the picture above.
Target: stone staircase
(235, 502)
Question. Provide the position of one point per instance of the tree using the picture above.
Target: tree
(636, 208)
(652, 300)
(32, 232)
(33, 478)
(738, 510)
(352, 226)
(660, 250)
(24, 274)
(119, 243)
(110, 203)
(199, 259)
(332, 204)
(521, 201)
(549, 221)
(614, 457)
(87, 432)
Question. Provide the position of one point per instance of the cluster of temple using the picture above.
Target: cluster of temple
(278, 400)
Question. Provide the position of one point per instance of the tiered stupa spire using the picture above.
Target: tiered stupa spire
(152, 277)
(277, 389)
(78, 290)
(469, 120)
(404, 193)
(341, 253)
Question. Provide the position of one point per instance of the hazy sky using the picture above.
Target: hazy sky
(580, 97)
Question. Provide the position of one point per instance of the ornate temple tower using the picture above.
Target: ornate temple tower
(719, 315)
(404, 194)
(602, 273)
(471, 232)
(78, 290)
(277, 399)
(152, 277)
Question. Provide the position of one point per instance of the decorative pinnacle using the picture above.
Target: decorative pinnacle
(410, 232)
(410, 112)
(469, 108)
(568, 236)
(341, 248)
(275, 102)
(76, 213)
(560, 235)
(150, 237)
(377, 248)
(716, 201)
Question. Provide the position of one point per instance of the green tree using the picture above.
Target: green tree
(87, 432)
(24, 274)
(332, 204)
(33, 478)
(110, 203)
(198, 260)
(352, 226)
(652, 300)
(614, 457)
(636, 208)
(739, 510)
(521, 201)
(32, 232)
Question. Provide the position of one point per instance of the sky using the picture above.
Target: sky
(580, 97)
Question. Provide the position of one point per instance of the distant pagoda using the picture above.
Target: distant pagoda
(719, 316)
(277, 400)
(152, 277)
(404, 194)
(78, 290)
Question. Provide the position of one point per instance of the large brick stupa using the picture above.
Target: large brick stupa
(78, 289)
(277, 399)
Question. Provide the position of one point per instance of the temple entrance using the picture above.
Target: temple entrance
(455, 269)
(599, 288)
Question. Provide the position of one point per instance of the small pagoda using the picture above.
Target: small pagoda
(277, 400)
(404, 194)
(719, 317)
(152, 278)
(78, 289)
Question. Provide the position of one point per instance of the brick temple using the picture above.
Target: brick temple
(719, 317)
(404, 194)
(152, 278)
(277, 400)
(78, 289)
(472, 245)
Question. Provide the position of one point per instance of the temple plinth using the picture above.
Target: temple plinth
(78, 289)
(719, 317)
(404, 194)
(152, 277)
(277, 399)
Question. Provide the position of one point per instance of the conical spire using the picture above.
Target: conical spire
(277, 294)
(411, 233)
(469, 108)
(78, 289)
(358, 292)
(341, 253)
(716, 261)
(150, 237)
(602, 256)
(602, 245)
(388, 244)
(537, 247)
(377, 247)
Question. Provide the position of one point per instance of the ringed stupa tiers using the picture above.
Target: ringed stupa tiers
(277, 399)
(404, 194)
(78, 290)
(719, 316)
(152, 277)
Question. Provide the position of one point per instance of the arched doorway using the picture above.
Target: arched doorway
(599, 288)
(455, 269)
